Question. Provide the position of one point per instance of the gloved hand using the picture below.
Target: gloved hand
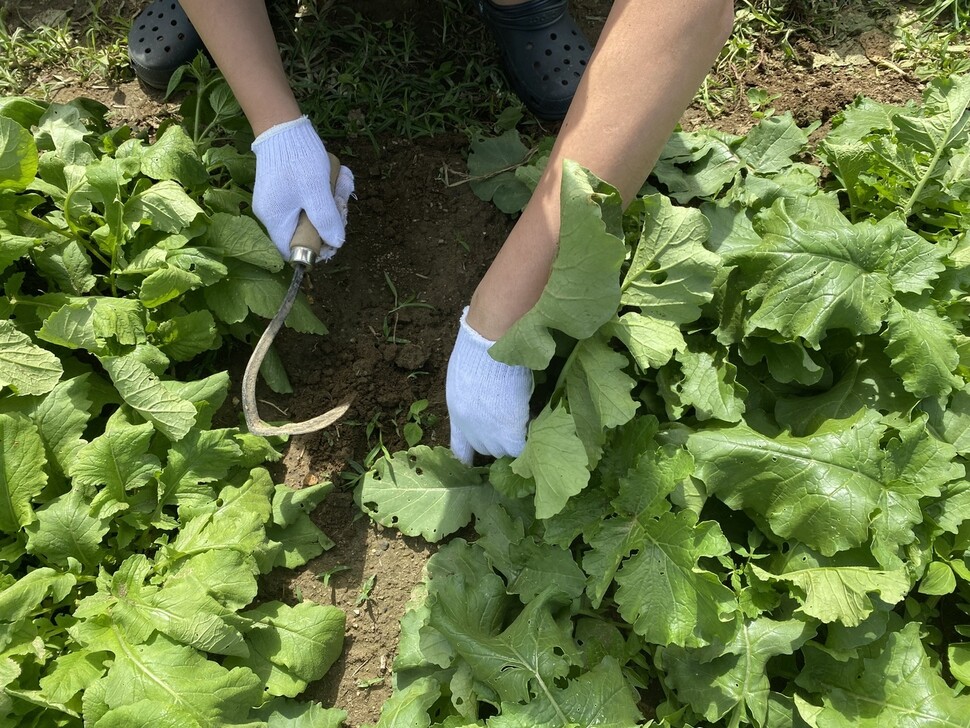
(293, 174)
(488, 401)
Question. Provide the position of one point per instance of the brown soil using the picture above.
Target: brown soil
(432, 242)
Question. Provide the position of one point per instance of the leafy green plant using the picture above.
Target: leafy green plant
(746, 490)
(132, 529)
(366, 590)
(413, 429)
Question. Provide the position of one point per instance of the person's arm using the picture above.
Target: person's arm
(238, 35)
(651, 58)
(292, 165)
(649, 62)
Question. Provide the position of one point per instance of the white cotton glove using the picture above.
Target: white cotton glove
(488, 401)
(293, 174)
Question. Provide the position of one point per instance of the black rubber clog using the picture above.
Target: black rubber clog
(161, 39)
(543, 51)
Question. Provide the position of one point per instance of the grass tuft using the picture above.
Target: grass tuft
(357, 76)
(86, 45)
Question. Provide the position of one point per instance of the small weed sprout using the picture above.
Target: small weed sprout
(366, 591)
(413, 429)
(391, 317)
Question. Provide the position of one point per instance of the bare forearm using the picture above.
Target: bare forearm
(651, 58)
(239, 37)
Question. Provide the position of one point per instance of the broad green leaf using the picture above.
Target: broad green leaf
(88, 323)
(227, 575)
(241, 237)
(491, 164)
(939, 579)
(665, 577)
(144, 392)
(233, 523)
(18, 156)
(529, 567)
(650, 341)
(14, 247)
(642, 496)
(162, 671)
(117, 459)
(598, 391)
(787, 361)
(166, 284)
(904, 164)
(600, 698)
(61, 418)
(282, 713)
(769, 147)
(22, 471)
(198, 262)
(408, 708)
(207, 395)
(892, 684)
(23, 597)
(731, 230)
(460, 577)
(706, 381)
(845, 149)
(109, 179)
(66, 265)
(248, 288)
(820, 489)
(952, 425)
(959, 659)
(149, 714)
(554, 456)
(292, 546)
(62, 128)
(918, 466)
(174, 157)
(71, 673)
(952, 508)
(529, 655)
(868, 382)
(290, 647)
(658, 472)
(273, 372)
(25, 367)
(22, 109)
(197, 459)
(583, 290)
(163, 206)
(424, 492)
(922, 347)
(942, 118)
(184, 337)
(610, 545)
(291, 504)
(815, 271)
(190, 616)
(697, 165)
(736, 680)
(420, 645)
(65, 528)
(672, 274)
(841, 593)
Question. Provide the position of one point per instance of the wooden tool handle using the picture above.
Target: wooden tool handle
(306, 235)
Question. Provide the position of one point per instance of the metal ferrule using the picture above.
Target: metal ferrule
(302, 256)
